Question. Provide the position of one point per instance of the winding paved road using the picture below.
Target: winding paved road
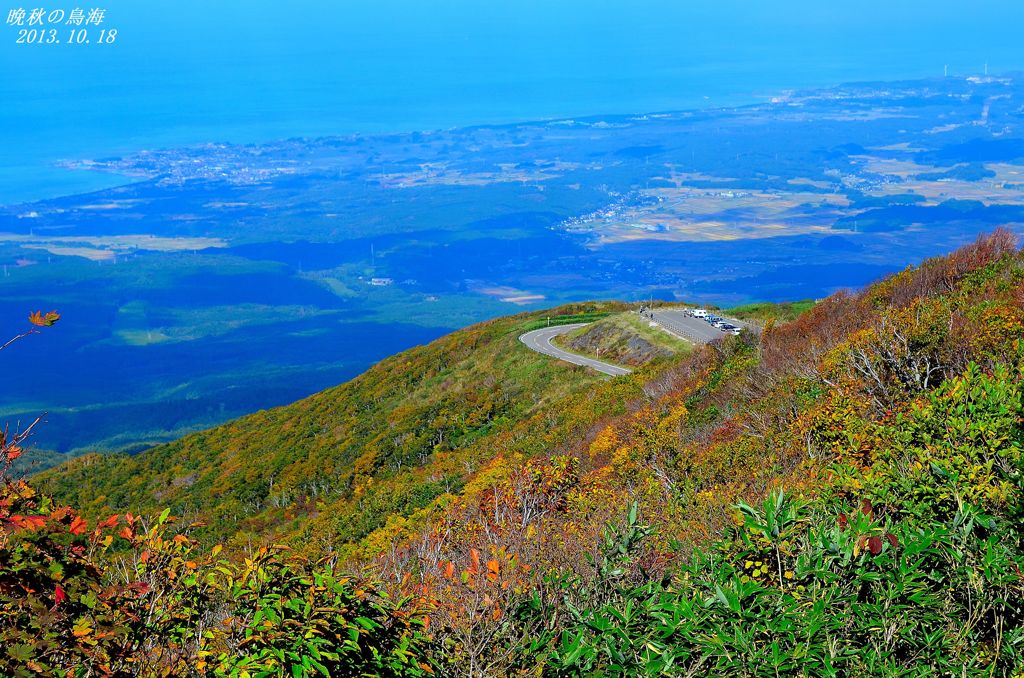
(540, 341)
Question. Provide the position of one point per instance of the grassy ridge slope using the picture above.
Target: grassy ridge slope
(340, 464)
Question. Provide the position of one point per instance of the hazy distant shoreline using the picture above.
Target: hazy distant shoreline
(42, 176)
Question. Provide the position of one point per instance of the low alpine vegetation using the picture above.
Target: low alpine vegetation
(840, 494)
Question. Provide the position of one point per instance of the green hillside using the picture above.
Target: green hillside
(403, 437)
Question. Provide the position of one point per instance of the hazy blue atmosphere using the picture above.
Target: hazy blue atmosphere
(191, 71)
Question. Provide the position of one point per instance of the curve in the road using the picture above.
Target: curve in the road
(540, 341)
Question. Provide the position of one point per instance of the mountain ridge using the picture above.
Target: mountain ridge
(839, 494)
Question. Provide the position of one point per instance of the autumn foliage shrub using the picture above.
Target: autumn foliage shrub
(127, 598)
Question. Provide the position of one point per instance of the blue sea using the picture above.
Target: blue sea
(193, 71)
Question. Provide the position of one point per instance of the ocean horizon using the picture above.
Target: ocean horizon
(168, 80)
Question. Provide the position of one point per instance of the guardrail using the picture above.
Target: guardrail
(682, 331)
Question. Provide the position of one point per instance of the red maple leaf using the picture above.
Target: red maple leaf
(31, 523)
(78, 526)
